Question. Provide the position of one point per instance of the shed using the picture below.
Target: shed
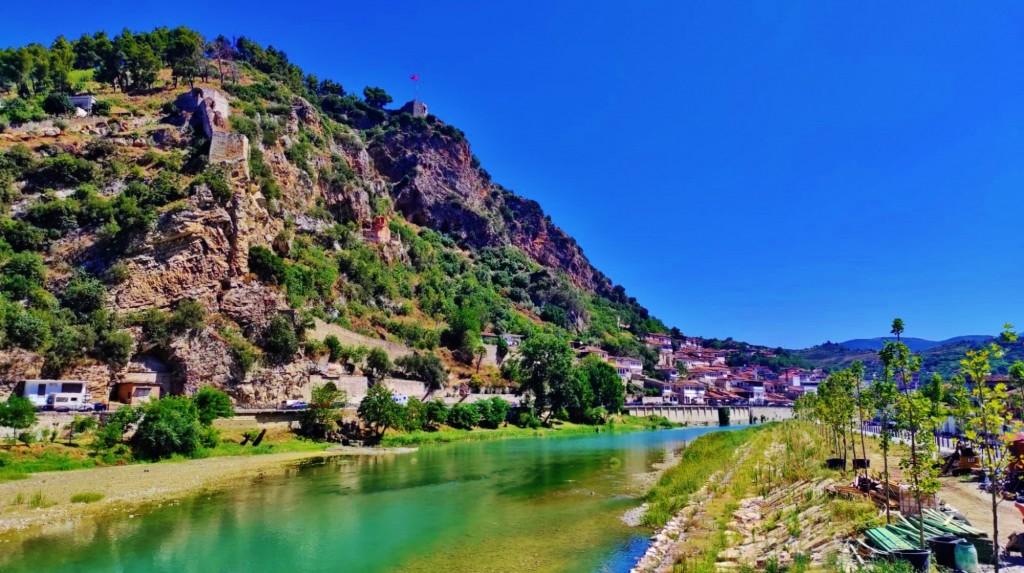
(83, 101)
(135, 393)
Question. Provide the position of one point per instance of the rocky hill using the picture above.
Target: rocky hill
(210, 204)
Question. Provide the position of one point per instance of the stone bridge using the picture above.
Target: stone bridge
(708, 415)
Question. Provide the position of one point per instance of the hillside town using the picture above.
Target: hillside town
(688, 373)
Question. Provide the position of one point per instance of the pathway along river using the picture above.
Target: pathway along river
(527, 505)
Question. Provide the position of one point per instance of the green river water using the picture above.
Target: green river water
(540, 504)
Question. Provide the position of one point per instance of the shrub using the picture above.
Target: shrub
(86, 497)
(101, 107)
(244, 352)
(84, 295)
(463, 416)
(65, 170)
(117, 273)
(58, 104)
(415, 415)
(436, 413)
(266, 265)
(188, 315)
(493, 412)
(115, 348)
(212, 404)
(333, 348)
(217, 181)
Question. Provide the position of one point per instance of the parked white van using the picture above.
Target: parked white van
(68, 402)
(38, 391)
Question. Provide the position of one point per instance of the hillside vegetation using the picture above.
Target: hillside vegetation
(125, 238)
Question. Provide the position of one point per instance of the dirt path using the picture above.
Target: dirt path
(976, 505)
(125, 488)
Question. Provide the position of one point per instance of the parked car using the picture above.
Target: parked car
(295, 405)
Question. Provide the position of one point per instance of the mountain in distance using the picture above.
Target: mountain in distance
(915, 344)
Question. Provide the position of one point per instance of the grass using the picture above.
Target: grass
(40, 501)
(701, 458)
(86, 497)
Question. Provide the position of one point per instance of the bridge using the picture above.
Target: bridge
(708, 415)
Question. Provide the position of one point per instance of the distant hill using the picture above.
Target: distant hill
(941, 357)
(915, 344)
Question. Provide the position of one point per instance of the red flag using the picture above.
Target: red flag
(415, 77)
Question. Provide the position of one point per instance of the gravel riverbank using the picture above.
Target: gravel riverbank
(125, 489)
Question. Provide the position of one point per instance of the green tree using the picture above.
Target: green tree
(212, 404)
(169, 426)
(883, 396)
(913, 412)
(280, 341)
(320, 417)
(84, 295)
(436, 414)
(376, 97)
(17, 413)
(546, 366)
(426, 368)
(604, 382)
(493, 411)
(378, 365)
(379, 410)
(988, 419)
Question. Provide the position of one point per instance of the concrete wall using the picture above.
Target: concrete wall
(708, 415)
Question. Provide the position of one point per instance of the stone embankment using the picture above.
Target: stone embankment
(662, 554)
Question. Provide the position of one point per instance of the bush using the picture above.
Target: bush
(101, 107)
(212, 404)
(333, 348)
(86, 497)
(170, 426)
(436, 413)
(188, 315)
(463, 416)
(244, 352)
(493, 412)
(267, 266)
(84, 295)
(319, 419)
(65, 170)
(58, 104)
(415, 415)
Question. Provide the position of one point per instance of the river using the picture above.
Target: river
(537, 505)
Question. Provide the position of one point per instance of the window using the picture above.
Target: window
(73, 388)
(40, 390)
(141, 392)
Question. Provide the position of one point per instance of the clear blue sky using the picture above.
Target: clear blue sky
(783, 173)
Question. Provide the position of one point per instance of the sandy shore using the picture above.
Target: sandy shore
(125, 488)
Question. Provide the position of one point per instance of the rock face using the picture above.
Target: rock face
(436, 183)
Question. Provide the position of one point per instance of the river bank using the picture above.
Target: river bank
(42, 502)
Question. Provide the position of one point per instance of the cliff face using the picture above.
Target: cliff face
(308, 185)
(436, 183)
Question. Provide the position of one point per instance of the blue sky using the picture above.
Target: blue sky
(783, 173)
